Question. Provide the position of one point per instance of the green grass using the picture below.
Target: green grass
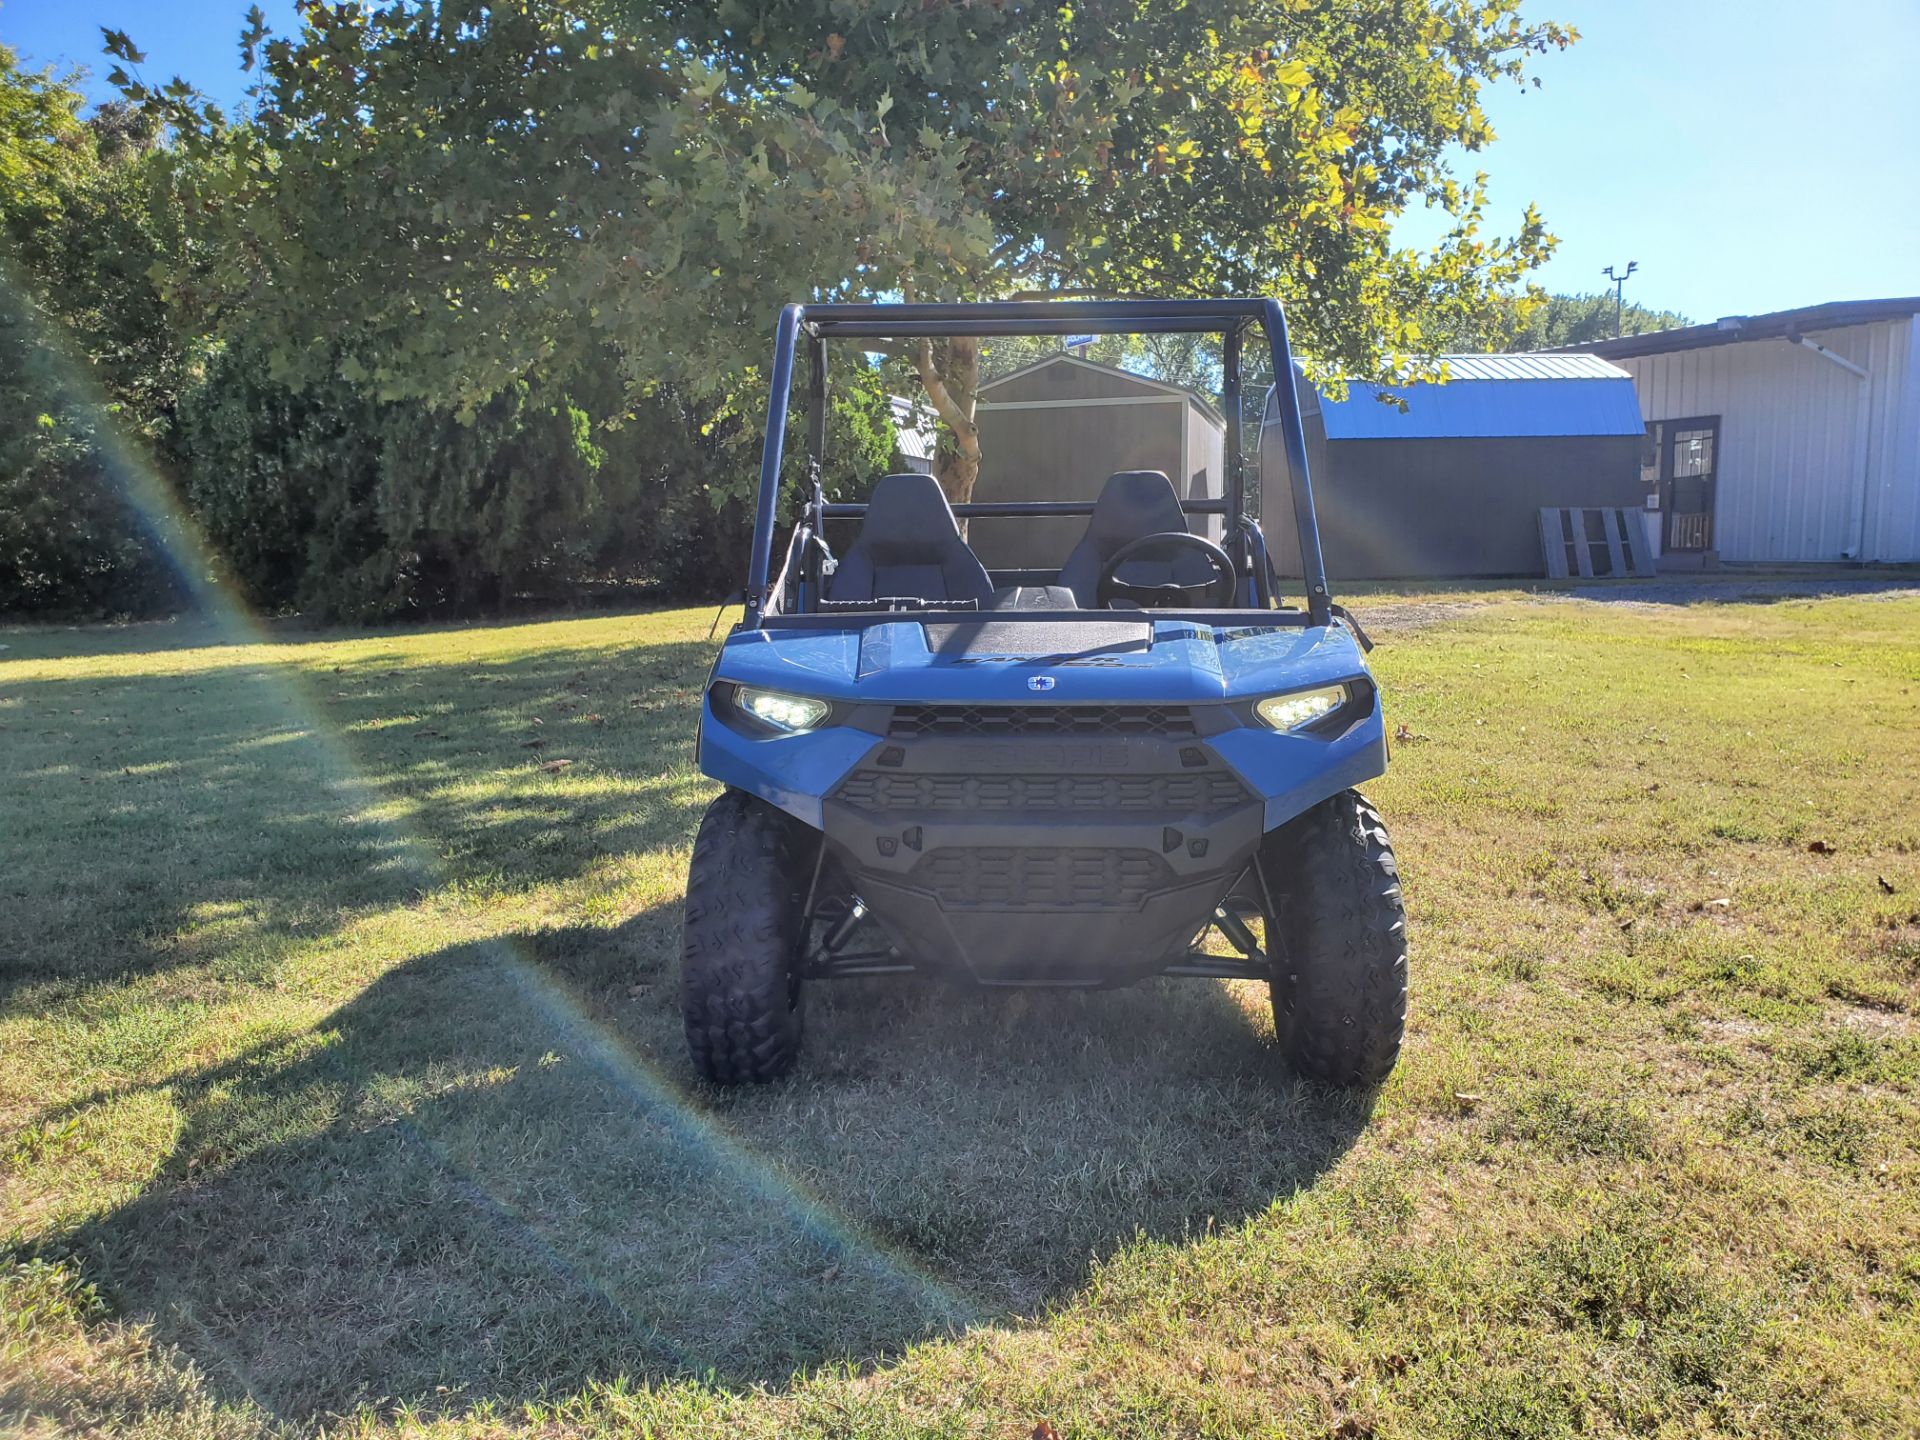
(341, 1083)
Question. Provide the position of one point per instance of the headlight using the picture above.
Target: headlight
(1299, 708)
(789, 714)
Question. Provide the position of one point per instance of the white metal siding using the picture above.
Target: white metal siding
(1789, 473)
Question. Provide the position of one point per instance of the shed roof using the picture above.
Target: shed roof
(1775, 325)
(1133, 379)
(1530, 367)
(1494, 396)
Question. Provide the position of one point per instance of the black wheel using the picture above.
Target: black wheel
(1340, 951)
(739, 990)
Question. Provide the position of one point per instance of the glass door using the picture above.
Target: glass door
(1688, 452)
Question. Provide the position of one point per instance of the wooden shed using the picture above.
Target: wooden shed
(1055, 430)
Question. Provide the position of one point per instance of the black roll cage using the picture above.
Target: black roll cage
(1226, 318)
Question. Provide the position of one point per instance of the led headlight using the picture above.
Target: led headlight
(789, 714)
(1299, 708)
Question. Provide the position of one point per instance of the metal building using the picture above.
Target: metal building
(1449, 479)
(1786, 438)
(1055, 430)
(915, 434)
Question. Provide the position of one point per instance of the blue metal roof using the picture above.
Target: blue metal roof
(1495, 395)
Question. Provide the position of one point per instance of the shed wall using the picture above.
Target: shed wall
(1064, 454)
(1814, 463)
(1398, 509)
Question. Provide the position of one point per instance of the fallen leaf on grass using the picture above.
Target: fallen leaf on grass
(832, 1272)
(1406, 736)
(552, 765)
(593, 719)
(1820, 847)
(532, 744)
(1044, 1431)
(1886, 885)
(1718, 903)
(1467, 1099)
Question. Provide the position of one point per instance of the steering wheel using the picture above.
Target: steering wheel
(1218, 589)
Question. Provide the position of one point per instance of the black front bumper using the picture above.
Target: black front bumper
(995, 846)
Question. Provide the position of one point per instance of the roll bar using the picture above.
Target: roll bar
(1227, 318)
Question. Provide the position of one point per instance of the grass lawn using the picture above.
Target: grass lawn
(342, 1087)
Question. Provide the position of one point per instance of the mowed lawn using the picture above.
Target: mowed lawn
(342, 1087)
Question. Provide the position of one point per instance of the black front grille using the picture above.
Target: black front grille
(910, 721)
(880, 792)
(996, 878)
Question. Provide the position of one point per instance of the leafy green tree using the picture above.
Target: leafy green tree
(1536, 321)
(89, 365)
(446, 199)
(331, 501)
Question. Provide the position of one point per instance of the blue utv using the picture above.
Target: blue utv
(1041, 777)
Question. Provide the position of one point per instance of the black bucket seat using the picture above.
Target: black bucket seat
(1132, 505)
(910, 548)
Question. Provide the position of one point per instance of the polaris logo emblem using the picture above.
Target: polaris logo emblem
(1040, 682)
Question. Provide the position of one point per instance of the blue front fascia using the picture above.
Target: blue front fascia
(790, 771)
(1297, 772)
(1185, 664)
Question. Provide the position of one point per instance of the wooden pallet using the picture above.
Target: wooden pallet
(1595, 543)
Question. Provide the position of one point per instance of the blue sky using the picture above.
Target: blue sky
(1751, 154)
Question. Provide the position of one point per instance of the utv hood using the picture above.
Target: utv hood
(1075, 662)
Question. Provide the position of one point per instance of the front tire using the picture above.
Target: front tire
(1340, 961)
(740, 989)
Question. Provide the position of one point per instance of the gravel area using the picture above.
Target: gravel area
(1735, 590)
(1385, 615)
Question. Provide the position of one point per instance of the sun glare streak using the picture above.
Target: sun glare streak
(652, 1095)
(655, 1097)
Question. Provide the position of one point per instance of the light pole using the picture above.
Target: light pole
(1619, 284)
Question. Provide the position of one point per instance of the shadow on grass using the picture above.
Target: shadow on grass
(492, 1177)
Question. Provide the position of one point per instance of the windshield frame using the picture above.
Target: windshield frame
(1229, 319)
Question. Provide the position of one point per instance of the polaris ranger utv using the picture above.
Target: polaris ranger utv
(1041, 778)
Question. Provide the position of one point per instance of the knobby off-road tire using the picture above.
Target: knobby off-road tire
(739, 993)
(1340, 967)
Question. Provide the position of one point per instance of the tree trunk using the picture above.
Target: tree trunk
(952, 382)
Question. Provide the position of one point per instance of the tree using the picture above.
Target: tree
(1536, 321)
(331, 501)
(89, 365)
(445, 199)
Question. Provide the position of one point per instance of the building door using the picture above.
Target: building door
(1689, 451)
